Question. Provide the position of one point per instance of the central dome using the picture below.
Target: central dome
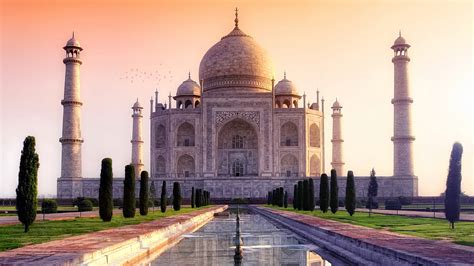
(236, 61)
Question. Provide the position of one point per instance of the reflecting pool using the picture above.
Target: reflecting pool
(263, 244)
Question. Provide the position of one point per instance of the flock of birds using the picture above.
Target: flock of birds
(155, 77)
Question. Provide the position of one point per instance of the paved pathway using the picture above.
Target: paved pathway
(9, 220)
(440, 251)
(74, 250)
(439, 215)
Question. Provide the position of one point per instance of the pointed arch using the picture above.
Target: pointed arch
(160, 136)
(289, 165)
(314, 166)
(160, 166)
(289, 134)
(185, 135)
(186, 166)
(314, 136)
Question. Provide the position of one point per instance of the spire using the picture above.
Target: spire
(284, 75)
(189, 74)
(73, 34)
(236, 20)
(399, 33)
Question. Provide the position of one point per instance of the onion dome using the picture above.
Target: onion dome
(73, 42)
(237, 60)
(137, 105)
(189, 87)
(400, 41)
(285, 87)
(336, 105)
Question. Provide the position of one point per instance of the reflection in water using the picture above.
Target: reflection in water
(265, 244)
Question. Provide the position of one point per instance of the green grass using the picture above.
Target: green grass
(12, 236)
(60, 208)
(437, 229)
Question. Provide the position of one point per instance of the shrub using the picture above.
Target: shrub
(106, 204)
(324, 193)
(85, 205)
(300, 195)
(163, 198)
(269, 198)
(295, 196)
(334, 200)
(452, 199)
(239, 201)
(27, 190)
(350, 200)
(176, 196)
(372, 204)
(372, 191)
(305, 195)
(118, 202)
(129, 199)
(393, 204)
(311, 194)
(285, 200)
(192, 197)
(49, 206)
(144, 193)
(404, 200)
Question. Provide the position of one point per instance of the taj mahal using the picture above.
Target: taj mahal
(236, 131)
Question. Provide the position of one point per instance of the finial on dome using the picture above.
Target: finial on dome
(399, 33)
(72, 34)
(189, 74)
(236, 20)
(284, 75)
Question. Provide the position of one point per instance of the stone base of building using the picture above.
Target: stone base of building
(240, 187)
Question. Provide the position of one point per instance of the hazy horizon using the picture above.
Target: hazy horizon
(341, 48)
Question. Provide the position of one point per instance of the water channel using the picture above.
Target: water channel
(263, 244)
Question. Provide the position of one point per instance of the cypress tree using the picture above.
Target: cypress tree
(281, 197)
(106, 201)
(334, 199)
(324, 193)
(274, 197)
(129, 192)
(350, 200)
(300, 195)
(163, 198)
(285, 200)
(453, 185)
(176, 196)
(269, 198)
(192, 197)
(305, 195)
(152, 194)
(144, 193)
(198, 198)
(372, 191)
(311, 194)
(27, 190)
(295, 196)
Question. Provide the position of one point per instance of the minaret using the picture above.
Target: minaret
(137, 140)
(337, 159)
(69, 184)
(402, 133)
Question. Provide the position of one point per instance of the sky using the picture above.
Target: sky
(340, 47)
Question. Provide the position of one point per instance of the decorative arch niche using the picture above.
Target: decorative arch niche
(186, 166)
(288, 134)
(185, 135)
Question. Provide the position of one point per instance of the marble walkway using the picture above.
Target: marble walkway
(441, 252)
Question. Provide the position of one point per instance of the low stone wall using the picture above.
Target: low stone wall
(117, 246)
(366, 246)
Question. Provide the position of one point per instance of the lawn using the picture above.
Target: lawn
(437, 229)
(12, 236)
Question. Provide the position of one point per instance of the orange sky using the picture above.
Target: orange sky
(340, 47)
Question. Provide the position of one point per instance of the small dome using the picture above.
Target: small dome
(189, 87)
(400, 41)
(285, 87)
(73, 42)
(137, 105)
(336, 104)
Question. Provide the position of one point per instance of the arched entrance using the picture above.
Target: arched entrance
(237, 149)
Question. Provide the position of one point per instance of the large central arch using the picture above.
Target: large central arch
(237, 149)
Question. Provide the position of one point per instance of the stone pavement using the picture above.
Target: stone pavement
(439, 252)
(108, 246)
(440, 215)
(9, 220)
